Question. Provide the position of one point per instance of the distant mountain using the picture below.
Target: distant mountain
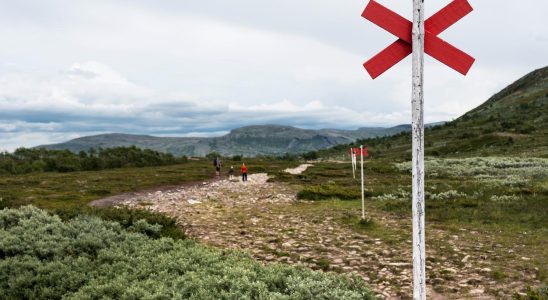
(512, 122)
(248, 141)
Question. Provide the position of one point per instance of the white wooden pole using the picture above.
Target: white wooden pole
(353, 158)
(355, 162)
(419, 253)
(363, 198)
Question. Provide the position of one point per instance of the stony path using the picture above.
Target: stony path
(259, 217)
(299, 169)
(265, 219)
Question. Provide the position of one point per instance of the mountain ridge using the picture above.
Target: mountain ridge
(513, 122)
(252, 140)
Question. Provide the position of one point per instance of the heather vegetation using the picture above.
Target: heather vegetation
(504, 198)
(68, 193)
(24, 160)
(501, 197)
(43, 257)
(153, 224)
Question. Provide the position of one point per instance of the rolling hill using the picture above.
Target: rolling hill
(248, 141)
(513, 122)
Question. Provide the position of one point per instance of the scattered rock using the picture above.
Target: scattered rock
(476, 292)
(259, 217)
(338, 261)
(192, 201)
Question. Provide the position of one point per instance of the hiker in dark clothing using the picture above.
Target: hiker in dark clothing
(217, 164)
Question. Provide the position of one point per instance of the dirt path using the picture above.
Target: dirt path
(298, 170)
(266, 220)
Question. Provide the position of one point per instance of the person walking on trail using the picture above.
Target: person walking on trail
(231, 173)
(244, 172)
(217, 164)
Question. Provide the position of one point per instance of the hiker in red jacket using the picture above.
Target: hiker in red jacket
(244, 172)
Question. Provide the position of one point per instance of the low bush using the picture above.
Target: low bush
(329, 191)
(311, 155)
(128, 219)
(24, 160)
(44, 257)
(534, 294)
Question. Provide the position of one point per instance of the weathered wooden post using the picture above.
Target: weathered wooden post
(363, 195)
(353, 158)
(416, 38)
(417, 127)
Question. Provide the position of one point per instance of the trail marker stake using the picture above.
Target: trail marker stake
(417, 127)
(353, 158)
(363, 195)
(363, 153)
(416, 38)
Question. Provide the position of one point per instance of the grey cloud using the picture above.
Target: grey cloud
(175, 67)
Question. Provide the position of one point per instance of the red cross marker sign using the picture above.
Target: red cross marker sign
(356, 152)
(433, 45)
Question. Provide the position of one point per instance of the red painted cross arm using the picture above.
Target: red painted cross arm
(447, 16)
(388, 20)
(387, 58)
(400, 27)
(357, 151)
(398, 50)
(447, 54)
(438, 48)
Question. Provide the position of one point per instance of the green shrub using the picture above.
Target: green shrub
(329, 191)
(534, 294)
(130, 219)
(310, 155)
(43, 257)
(366, 223)
(24, 160)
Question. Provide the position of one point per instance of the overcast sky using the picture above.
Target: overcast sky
(200, 68)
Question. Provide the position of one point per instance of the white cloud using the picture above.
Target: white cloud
(282, 106)
(12, 141)
(16, 126)
(189, 67)
(84, 88)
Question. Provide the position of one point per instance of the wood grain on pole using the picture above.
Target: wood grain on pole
(419, 253)
(363, 196)
(353, 159)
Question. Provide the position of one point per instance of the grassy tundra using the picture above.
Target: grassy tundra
(496, 205)
(499, 205)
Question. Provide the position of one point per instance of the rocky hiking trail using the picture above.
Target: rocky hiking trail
(266, 220)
